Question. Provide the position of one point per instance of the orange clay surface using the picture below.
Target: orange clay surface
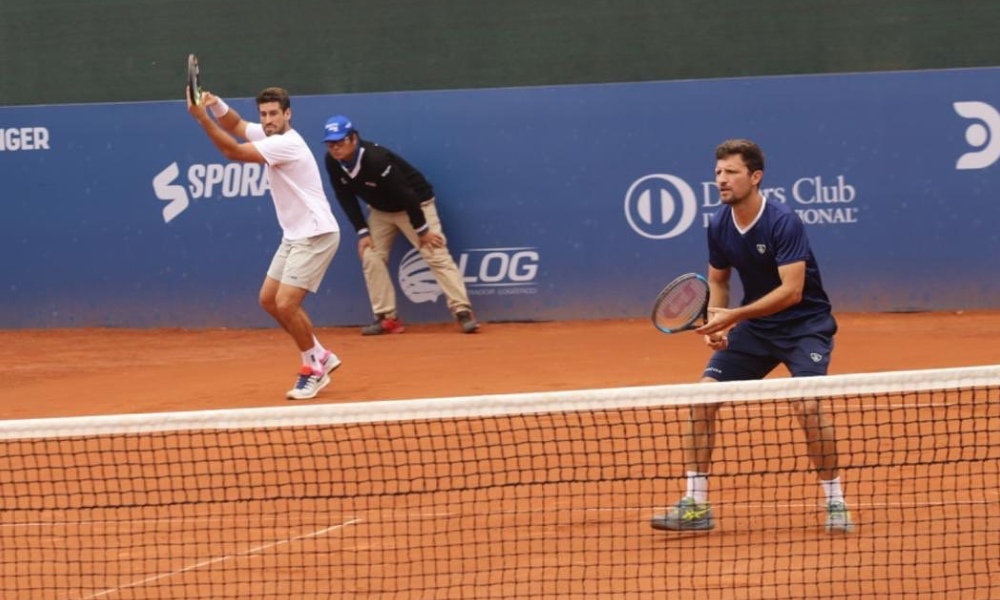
(542, 540)
(64, 372)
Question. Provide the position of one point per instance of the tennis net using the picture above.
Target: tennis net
(516, 496)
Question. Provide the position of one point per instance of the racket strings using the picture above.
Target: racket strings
(681, 306)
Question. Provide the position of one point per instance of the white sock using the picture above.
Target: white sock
(320, 353)
(318, 349)
(832, 490)
(309, 359)
(697, 486)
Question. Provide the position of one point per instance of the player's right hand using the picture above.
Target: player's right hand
(197, 110)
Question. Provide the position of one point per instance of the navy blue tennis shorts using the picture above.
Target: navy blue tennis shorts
(753, 352)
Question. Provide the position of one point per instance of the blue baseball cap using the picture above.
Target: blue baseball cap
(337, 128)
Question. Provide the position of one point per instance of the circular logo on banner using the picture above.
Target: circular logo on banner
(416, 279)
(652, 202)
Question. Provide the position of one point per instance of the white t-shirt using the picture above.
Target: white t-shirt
(296, 187)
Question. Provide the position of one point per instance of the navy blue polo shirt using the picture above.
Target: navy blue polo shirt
(776, 238)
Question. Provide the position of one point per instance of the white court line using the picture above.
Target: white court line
(858, 505)
(419, 515)
(404, 515)
(168, 521)
(219, 559)
(200, 520)
(738, 505)
(784, 406)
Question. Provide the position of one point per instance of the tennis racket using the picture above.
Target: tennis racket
(682, 304)
(194, 79)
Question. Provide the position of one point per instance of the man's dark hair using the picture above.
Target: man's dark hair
(275, 94)
(751, 153)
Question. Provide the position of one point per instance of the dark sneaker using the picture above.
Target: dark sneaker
(384, 325)
(467, 321)
(838, 518)
(686, 515)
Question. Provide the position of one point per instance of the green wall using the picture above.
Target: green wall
(67, 51)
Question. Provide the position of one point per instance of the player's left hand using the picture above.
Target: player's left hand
(719, 320)
(432, 240)
(717, 341)
(208, 99)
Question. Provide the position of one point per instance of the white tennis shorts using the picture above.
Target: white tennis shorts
(303, 263)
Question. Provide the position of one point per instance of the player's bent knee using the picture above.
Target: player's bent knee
(286, 306)
(268, 303)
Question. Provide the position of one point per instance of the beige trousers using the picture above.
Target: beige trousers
(382, 227)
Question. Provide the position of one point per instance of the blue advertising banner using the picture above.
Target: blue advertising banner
(573, 202)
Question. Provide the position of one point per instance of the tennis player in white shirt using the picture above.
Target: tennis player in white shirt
(310, 231)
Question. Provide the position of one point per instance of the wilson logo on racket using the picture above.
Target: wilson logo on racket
(682, 304)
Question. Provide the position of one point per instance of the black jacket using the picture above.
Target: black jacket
(384, 181)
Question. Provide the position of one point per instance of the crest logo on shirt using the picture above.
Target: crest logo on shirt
(761, 248)
(816, 357)
(660, 206)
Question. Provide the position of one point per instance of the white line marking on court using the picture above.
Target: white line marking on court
(284, 519)
(784, 406)
(819, 504)
(851, 505)
(219, 559)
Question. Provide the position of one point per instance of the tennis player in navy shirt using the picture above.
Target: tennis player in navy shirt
(785, 318)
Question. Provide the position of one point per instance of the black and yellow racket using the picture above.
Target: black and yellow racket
(682, 305)
(194, 79)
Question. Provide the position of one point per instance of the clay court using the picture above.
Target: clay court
(113, 371)
(582, 537)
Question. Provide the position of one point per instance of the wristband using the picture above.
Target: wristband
(219, 109)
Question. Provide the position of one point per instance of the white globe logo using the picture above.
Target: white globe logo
(417, 280)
